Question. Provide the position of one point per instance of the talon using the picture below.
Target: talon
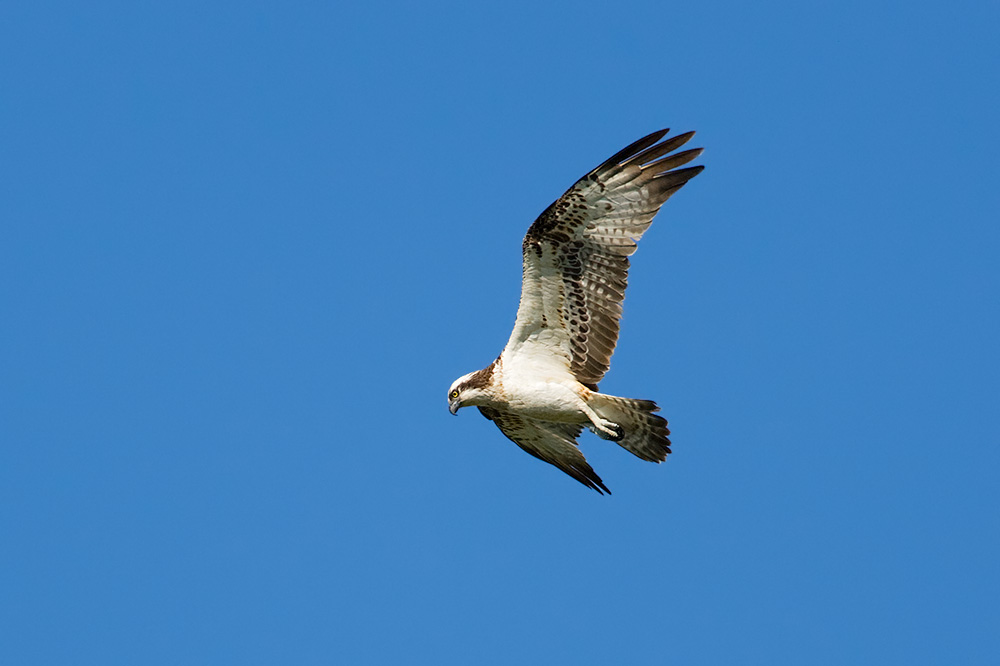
(608, 430)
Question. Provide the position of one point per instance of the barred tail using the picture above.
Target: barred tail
(646, 434)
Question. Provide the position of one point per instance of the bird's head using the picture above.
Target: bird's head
(469, 390)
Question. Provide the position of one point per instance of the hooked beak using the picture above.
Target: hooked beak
(453, 406)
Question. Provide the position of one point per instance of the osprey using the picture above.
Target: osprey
(542, 389)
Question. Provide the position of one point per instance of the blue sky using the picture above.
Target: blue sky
(247, 247)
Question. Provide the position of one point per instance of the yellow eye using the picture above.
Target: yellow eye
(454, 394)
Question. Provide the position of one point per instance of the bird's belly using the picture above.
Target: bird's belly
(549, 401)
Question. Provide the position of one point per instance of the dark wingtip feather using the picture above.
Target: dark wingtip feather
(664, 185)
(586, 475)
(669, 162)
(598, 485)
(647, 152)
(676, 177)
(633, 148)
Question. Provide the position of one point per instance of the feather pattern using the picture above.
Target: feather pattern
(555, 443)
(575, 255)
(542, 389)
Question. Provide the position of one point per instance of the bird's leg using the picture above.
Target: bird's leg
(602, 427)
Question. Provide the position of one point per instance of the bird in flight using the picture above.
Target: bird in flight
(542, 389)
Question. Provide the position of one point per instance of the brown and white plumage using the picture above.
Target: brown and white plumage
(553, 442)
(542, 390)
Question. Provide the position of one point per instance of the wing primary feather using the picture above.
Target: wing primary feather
(661, 149)
(631, 149)
(673, 161)
(674, 179)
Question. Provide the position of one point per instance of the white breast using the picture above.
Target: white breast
(539, 385)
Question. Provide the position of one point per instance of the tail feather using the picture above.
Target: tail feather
(646, 434)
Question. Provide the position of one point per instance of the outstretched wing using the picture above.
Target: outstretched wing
(555, 443)
(576, 253)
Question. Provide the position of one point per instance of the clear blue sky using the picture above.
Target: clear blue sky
(246, 247)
